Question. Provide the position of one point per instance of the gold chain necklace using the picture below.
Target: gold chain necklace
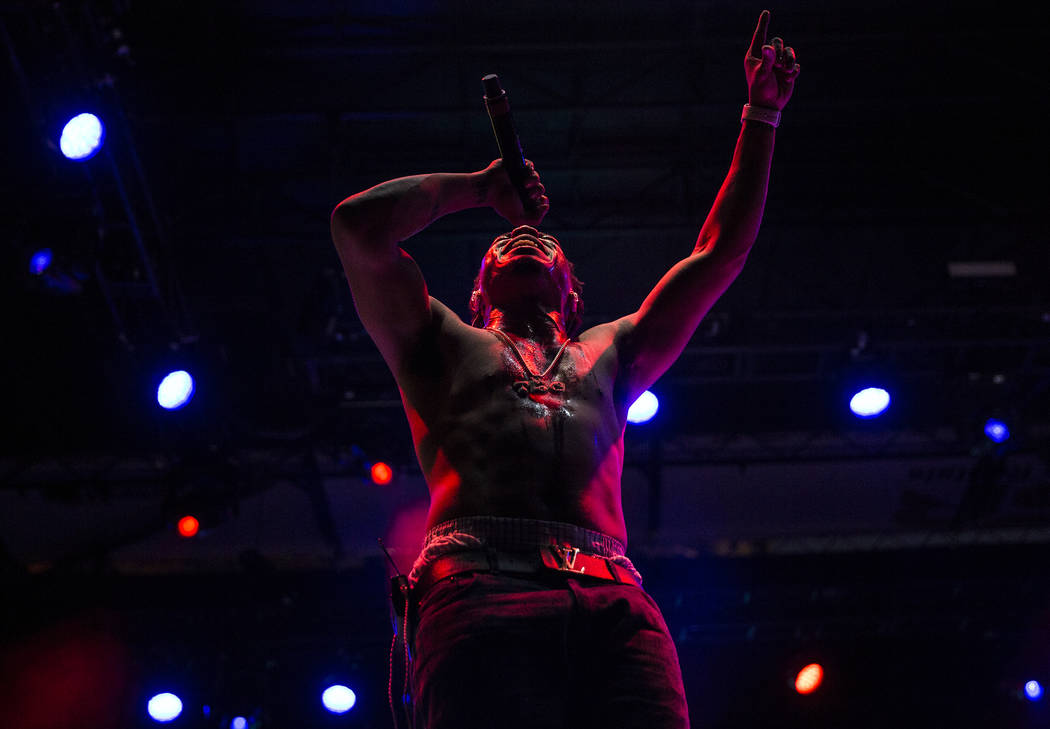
(537, 383)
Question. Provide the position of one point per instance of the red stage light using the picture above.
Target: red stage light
(382, 474)
(189, 526)
(808, 679)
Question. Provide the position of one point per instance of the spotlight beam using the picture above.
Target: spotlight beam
(312, 484)
(136, 230)
(138, 203)
(23, 81)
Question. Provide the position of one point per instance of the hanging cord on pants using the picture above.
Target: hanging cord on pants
(399, 591)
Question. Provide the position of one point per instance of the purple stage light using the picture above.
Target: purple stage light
(338, 699)
(643, 409)
(81, 137)
(39, 261)
(164, 707)
(175, 390)
(869, 402)
(996, 430)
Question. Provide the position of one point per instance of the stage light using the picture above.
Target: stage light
(809, 678)
(996, 430)
(55, 277)
(869, 402)
(643, 409)
(239, 722)
(338, 699)
(382, 474)
(39, 261)
(189, 526)
(82, 137)
(1033, 690)
(175, 390)
(164, 707)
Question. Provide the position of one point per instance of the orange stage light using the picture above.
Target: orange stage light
(189, 526)
(382, 474)
(808, 679)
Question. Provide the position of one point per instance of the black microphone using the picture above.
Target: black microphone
(506, 137)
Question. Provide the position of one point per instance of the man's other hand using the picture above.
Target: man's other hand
(770, 68)
(503, 198)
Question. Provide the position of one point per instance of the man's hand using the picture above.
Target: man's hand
(500, 194)
(770, 69)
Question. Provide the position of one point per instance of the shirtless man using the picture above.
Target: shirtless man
(528, 613)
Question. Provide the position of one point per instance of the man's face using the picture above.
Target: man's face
(525, 263)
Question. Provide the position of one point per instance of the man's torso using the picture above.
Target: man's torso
(493, 440)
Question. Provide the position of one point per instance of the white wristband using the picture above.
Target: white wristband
(760, 114)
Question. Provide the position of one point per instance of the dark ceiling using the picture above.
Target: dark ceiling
(199, 236)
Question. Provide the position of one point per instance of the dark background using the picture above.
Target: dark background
(908, 554)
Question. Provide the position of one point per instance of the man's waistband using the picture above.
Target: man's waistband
(508, 535)
(511, 534)
(541, 560)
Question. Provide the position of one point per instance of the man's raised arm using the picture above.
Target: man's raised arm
(656, 334)
(367, 229)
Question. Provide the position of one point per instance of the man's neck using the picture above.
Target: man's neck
(539, 326)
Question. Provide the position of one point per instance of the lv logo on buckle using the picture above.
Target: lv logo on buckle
(568, 557)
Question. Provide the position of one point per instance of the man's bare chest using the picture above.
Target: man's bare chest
(539, 379)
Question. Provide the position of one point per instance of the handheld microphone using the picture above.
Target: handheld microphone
(506, 137)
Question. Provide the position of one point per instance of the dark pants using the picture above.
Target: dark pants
(500, 652)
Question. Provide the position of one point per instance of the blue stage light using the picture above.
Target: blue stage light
(869, 402)
(164, 707)
(175, 390)
(643, 409)
(82, 137)
(239, 722)
(338, 699)
(996, 430)
(1033, 690)
(39, 261)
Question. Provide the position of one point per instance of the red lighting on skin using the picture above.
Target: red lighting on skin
(808, 679)
(189, 526)
(382, 474)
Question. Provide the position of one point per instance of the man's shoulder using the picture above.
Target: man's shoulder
(439, 351)
(446, 324)
(445, 333)
(607, 333)
(609, 345)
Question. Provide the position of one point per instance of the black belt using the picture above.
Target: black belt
(542, 560)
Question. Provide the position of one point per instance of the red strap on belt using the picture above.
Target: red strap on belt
(570, 559)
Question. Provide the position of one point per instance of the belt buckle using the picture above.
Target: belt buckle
(567, 556)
